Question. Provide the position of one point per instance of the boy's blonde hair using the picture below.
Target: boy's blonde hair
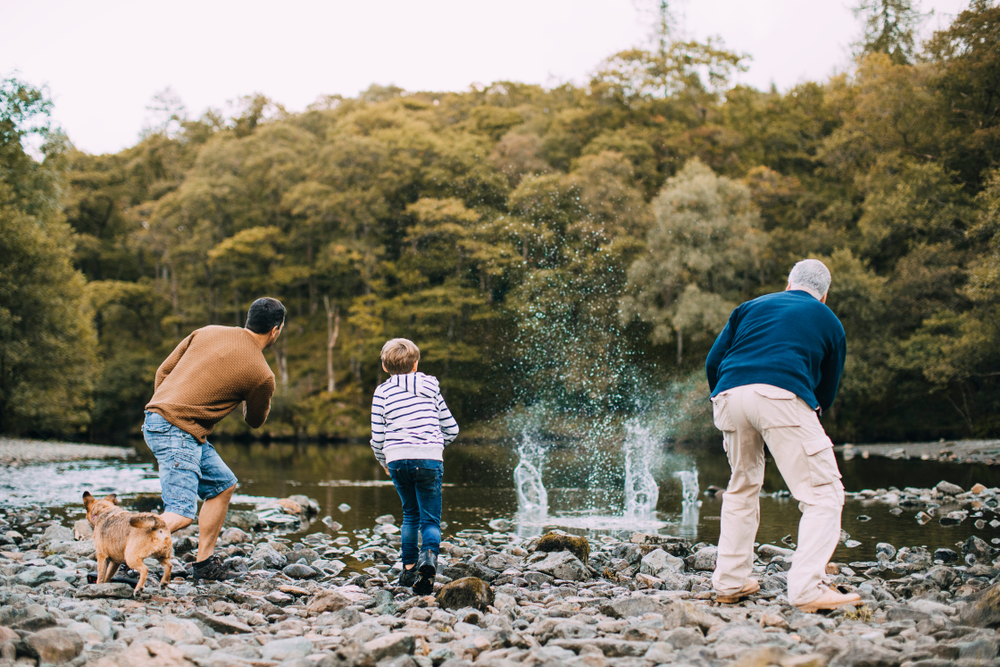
(399, 355)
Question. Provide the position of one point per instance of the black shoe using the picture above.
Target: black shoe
(426, 568)
(212, 569)
(407, 577)
(125, 575)
(427, 563)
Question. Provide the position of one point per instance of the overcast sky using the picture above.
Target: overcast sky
(103, 60)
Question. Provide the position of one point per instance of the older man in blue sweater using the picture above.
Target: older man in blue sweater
(773, 370)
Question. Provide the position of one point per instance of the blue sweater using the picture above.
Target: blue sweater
(786, 339)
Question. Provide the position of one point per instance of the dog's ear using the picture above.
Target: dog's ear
(88, 499)
(113, 497)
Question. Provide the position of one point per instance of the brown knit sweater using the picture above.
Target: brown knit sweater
(207, 375)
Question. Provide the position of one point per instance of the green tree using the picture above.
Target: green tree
(889, 27)
(702, 257)
(47, 342)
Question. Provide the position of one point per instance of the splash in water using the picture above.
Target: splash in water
(532, 498)
(641, 490)
(689, 502)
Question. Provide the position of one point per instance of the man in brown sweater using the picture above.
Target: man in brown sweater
(206, 376)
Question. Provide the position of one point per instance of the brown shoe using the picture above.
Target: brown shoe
(829, 599)
(749, 588)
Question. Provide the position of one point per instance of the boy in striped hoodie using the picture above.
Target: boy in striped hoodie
(411, 425)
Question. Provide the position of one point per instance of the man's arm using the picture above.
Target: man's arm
(170, 362)
(718, 352)
(258, 404)
(378, 428)
(830, 369)
(449, 427)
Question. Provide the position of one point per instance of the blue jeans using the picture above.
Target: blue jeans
(418, 483)
(188, 469)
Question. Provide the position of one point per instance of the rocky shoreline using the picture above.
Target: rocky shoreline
(16, 452)
(627, 600)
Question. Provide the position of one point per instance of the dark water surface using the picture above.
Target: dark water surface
(479, 487)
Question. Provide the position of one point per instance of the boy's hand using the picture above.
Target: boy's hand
(386, 471)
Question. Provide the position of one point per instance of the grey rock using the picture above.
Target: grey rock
(342, 618)
(57, 533)
(659, 563)
(108, 590)
(976, 550)
(768, 551)
(31, 617)
(86, 632)
(299, 571)
(611, 648)
(36, 576)
(366, 631)
(54, 646)
(245, 521)
(391, 645)
(885, 550)
(981, 650)
(559, 564)
(227, 625)
(949, 489)
(635, 605)
(286, 649)
(704, 559)
(681, 638)
(328, 600)
(268, 555)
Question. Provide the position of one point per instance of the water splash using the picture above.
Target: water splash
(532, 498)
(690, 505)
(641, 489)
(689, 485)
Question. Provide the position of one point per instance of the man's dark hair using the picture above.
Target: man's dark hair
(265, 314)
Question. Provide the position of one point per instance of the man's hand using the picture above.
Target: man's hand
(386, 471)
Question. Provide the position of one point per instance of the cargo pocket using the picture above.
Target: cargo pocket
(186, 457)
(720, 413)
(780, 410)
(821, 461)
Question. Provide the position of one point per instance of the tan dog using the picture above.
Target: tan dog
(121, 536)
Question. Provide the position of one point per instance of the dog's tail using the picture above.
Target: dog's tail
(149, 522)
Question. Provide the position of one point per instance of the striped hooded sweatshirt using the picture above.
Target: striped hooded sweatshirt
(410, 419)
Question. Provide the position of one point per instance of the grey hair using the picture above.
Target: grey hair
(812, 276)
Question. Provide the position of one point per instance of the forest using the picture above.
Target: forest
(577, 246)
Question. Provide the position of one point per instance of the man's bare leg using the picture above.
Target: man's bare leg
(210, 520)
(175, 522)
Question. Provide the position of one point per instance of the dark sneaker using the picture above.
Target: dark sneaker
(426, 568)
(407, 577)
(125, 575)
(212, 569)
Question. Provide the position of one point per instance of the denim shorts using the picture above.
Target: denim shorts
(189, 470)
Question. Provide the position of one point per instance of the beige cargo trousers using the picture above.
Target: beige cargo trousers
(748, 417)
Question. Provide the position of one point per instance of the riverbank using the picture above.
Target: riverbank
(18, 452)
(629, 600)
(954, 451)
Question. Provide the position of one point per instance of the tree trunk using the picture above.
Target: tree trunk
(281, 356)
(680, 346)
(332, 331)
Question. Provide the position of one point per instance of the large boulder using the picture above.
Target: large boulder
(466, 592)
(575, 544)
